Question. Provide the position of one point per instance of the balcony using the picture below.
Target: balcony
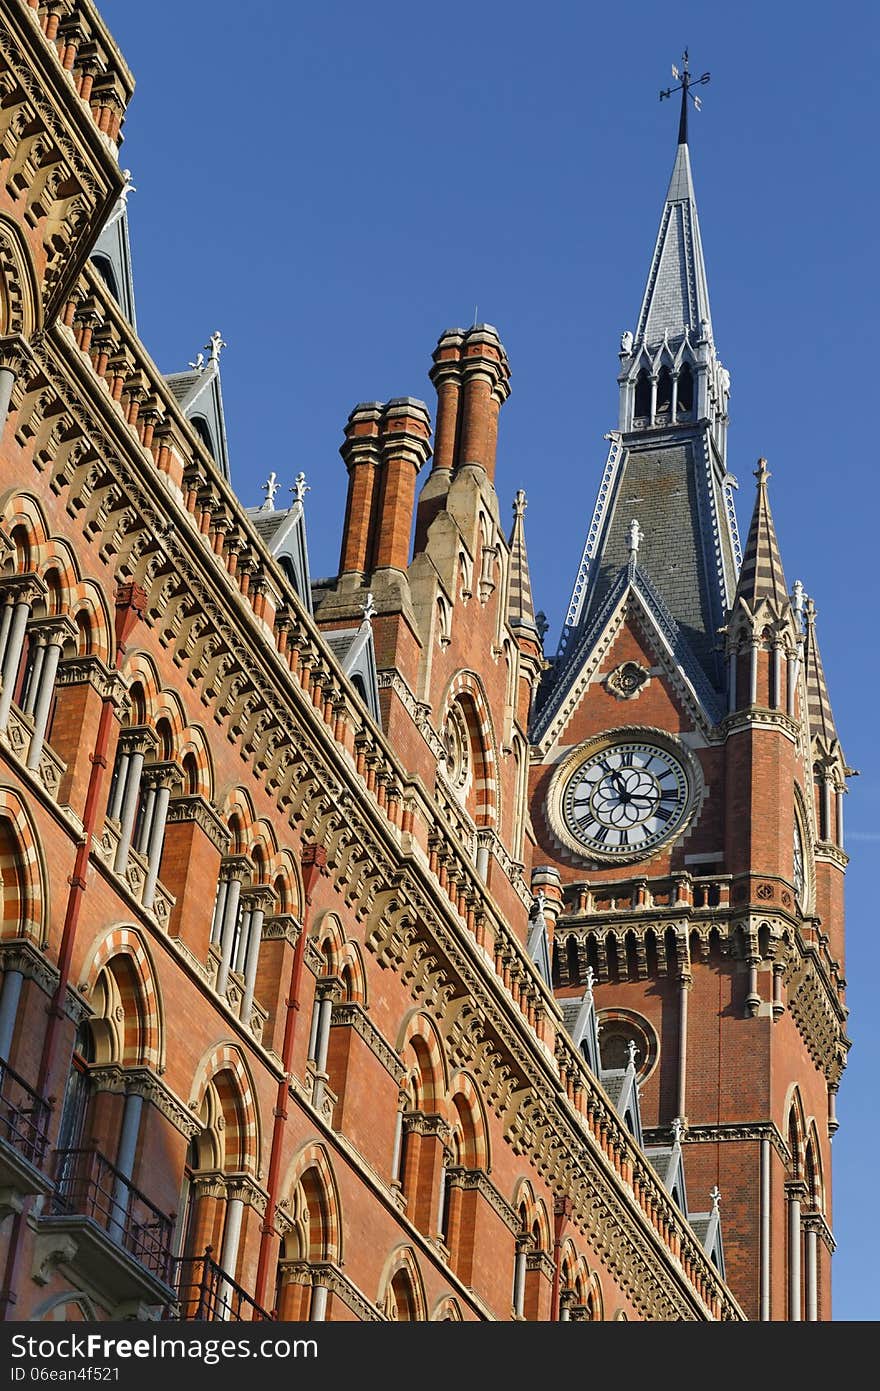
(24, 1124)
(108, 1230)
(205, 1291)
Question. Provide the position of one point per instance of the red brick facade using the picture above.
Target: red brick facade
(273, 1038)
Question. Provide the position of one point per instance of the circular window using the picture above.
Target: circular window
(456, 749)
(618, 1028)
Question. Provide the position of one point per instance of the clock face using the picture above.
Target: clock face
(625, 798)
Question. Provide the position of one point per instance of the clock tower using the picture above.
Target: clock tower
(687, 788)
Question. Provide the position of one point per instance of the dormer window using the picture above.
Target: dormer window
(200, 425)
(104, 267)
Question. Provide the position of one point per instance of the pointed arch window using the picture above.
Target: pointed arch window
(643, 394)
(664, 393)
(685, 391)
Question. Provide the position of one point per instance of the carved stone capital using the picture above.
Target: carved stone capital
(282, 927)
(79, 671)
(51, 1249)
(192, 807)
(477, 1180)
(355, 1016)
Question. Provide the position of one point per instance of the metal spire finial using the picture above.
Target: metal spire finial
(685, 82)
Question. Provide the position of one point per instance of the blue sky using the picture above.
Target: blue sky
(333, 185)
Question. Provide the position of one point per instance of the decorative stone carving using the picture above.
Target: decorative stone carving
(51, 1249)
(627, 681)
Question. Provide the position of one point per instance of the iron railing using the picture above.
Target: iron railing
(205, 1291)
(88, 1185)
(24, 1117)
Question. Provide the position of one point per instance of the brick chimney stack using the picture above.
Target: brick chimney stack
(405, 444)
(362, 454)
(485, 387)
(471, 375)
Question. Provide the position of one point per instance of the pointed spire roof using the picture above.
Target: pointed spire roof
(761, 575)
(676, 296)
(520, 607)
(818, 704)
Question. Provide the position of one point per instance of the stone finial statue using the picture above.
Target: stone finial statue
(199, 364)
(636, 536)
(300, 487)
(215, 345)
(271, 486)
(626, 342)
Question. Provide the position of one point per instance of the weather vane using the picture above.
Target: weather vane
(685, 82)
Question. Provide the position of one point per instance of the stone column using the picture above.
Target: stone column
(259, 901)
(811, 1272)
(24, 590)
(229, 1253)
(684, 986)
(131, 1120)
(765, 1230)
(523, 1247)
(234, 868)
(327, 989)
(165, 777)
(9, 998)
(52, 634)
(794, 1193)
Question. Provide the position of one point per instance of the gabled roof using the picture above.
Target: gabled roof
(569, 675)
(676, 295)
(670, 485)
(199, 395)
(111, 255)
(579, 1017)
(761, 575)
(668, 1164)
(520, 606)
(538, 946)
(707, 1228)
(622, 1086)
(284, 533)
(354, 650)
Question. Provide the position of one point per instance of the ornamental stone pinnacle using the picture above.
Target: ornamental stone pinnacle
(300, 487)
(215, 345)
(271, 487)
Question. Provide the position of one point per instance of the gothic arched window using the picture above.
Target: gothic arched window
(685, 391)
(664, 392)
(643, 393)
